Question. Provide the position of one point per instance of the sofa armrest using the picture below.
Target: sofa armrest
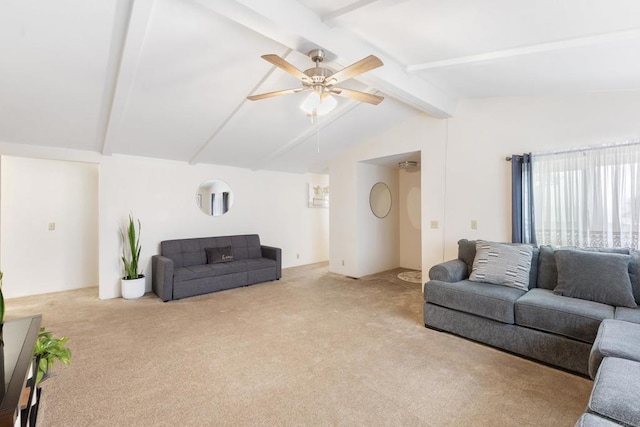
(162, 277)
(453, 270)
(274, 254)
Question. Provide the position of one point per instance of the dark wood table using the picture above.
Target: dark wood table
(16, 348)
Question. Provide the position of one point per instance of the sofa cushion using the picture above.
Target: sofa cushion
(502, 264)
(467, 254)
(547, 270)
(592, 420)
(616, 390)
(625, 314)
(570, 317)
(615, 339)
(221, 254)
(593, 276)
(482, 299)
(634, 273)
(189, 252)
(208, 270)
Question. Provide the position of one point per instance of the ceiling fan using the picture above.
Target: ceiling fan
(321, 82)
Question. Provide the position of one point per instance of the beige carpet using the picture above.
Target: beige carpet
(314, 348)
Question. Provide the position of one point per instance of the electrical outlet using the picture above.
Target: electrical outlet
(474, 224)
(343, 262)
(52, 226)
(434, 224)
(298, 256)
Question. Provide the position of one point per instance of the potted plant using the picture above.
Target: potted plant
(49, 349)
(133, 282)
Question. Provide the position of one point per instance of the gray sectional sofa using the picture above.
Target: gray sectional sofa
(553, 318)
(189, 267)
(614, 365)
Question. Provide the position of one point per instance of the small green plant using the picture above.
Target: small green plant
(50, 349)
(131, 250)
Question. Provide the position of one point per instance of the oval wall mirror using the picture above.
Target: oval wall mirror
(214, 197)
(380, 200)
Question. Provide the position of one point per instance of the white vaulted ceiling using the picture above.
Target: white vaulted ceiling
(169, 78)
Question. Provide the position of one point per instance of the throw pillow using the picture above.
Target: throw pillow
(502, 264)
(594, 276)
(221, 254)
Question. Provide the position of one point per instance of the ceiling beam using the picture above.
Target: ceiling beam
(353, 7)
(528, 50)
(294, 25)
(127, 69)
(346, 10)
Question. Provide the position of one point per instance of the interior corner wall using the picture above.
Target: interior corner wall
(378, 238)
(419, 132)
(410, 213)
(38, 192)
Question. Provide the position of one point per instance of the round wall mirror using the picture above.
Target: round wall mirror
(380, 199)
(214, 197)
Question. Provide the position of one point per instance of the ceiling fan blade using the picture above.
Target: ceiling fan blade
(281, 63)
(357, 95)
(362, 66)
(276, 93)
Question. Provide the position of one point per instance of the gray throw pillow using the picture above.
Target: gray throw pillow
(502, 264)
(594, 276)
(221, 254)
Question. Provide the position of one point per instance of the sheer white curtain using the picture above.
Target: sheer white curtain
(589, 197)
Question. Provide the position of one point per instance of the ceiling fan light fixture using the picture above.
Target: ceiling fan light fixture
(318, 104)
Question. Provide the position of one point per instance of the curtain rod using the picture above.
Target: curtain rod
(591, 148)
(578, 150)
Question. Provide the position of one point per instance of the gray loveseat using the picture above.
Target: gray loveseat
(189, 267)
(535, 322)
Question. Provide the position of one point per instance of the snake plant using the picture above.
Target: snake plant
(131, 250)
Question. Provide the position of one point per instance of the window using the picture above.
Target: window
(589, 197)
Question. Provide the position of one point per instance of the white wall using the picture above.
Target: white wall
(162, 195)
(271, 204)
(380, 235)
(464, 173)
(418, 133)
(484, 131)
(410, 213)
(35, 193)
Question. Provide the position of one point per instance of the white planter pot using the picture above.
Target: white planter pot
(133, 288)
